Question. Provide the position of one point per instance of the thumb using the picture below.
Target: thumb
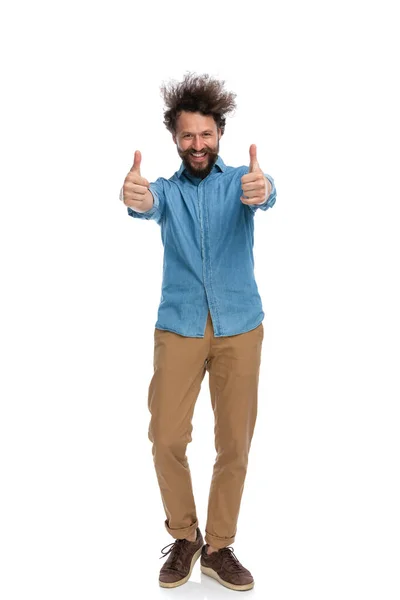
(136, 162)
(254, 166)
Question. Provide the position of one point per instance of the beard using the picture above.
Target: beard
(202, 168)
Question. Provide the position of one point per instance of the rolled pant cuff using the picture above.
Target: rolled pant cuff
(218, 542)
(184, 532)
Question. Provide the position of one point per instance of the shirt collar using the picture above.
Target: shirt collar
(218, 163)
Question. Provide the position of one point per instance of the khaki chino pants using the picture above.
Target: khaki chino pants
(180, 364)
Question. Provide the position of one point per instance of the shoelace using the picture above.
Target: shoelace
(177, 544)
(231, 558)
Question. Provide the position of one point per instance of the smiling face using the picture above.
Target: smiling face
(197, 141)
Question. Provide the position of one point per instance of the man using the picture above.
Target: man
(209, 319)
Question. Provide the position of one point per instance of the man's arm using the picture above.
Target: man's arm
(135, 191)
(271, 196)
(146, 204)
(256, 185)
(143, 200)
(268, 190)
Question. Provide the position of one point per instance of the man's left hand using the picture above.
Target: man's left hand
(256, 187)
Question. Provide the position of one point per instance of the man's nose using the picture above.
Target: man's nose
(198, 143)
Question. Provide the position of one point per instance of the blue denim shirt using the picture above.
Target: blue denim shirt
(208, 236)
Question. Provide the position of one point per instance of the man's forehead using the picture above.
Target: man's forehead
(195, 122)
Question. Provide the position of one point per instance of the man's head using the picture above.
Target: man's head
(197, 140)
(195, 116)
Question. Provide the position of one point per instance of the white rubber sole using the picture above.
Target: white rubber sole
(231, 586)
(174, 584)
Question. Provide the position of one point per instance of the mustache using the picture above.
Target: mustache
(205, 150)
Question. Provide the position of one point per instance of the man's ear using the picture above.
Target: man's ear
(174, 138)
(219, 133)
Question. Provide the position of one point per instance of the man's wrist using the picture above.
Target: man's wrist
(268, 192)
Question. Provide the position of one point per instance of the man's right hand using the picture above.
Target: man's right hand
(136, 193)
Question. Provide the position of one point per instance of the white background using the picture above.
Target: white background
(317, 91)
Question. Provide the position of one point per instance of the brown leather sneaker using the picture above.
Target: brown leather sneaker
(225, 568)
(178, 567)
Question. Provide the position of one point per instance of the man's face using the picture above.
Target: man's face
(197, 141)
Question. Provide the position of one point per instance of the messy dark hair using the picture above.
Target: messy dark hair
(197, 93)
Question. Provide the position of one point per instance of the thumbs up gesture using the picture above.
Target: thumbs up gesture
(255, 185)
(136, 187)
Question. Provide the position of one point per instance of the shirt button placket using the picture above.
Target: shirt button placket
(204, 256)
